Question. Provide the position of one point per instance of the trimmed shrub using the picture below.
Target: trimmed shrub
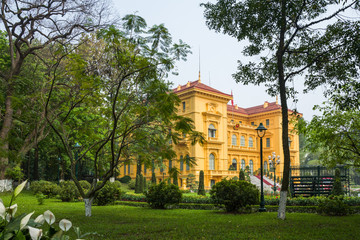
(68, 191)
(234, 194)
(133, 197)
(131, 184)
(201, 189)
(125, 179)
(162, 195)
(337, 187)
(137, 182)
(108, 194)
(333, 206)
(49, 189)
(242, 175)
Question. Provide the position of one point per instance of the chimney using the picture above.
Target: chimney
(179, 87)
(188, 84)
(266, 104)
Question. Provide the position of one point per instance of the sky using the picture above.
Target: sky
(218, 53)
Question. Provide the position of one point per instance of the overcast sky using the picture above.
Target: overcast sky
(218, 53)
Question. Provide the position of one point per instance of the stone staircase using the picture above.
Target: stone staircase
(268, 184)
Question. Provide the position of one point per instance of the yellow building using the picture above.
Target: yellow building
(232, 141)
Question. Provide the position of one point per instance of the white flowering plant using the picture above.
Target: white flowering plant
(24, 227)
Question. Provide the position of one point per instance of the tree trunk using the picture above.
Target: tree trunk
(284, 112)
(282, 205)
(4, 134)
(88, 203)
(36, 163)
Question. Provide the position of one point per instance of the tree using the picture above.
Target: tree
(120, 105)
(30, 27)
(201, 189)
(334, 136)
(291, 40)
(337, 187)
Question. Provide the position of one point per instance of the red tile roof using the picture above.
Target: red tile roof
(199, 85)
(254, 110)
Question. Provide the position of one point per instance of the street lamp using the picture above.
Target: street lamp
(274, 161)
(77, 147)
(261, 130)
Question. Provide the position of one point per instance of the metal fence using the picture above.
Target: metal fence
(316, 180)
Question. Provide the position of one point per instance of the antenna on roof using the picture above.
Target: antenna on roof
(199, 65)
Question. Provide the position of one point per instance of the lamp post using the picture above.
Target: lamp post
(274, 161)
(77, 147)
(261, 130)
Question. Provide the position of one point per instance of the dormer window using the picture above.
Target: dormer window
(212, 131)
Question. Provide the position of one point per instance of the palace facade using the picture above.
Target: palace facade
(232, 141)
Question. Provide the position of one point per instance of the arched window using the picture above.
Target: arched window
(251, 167)
(233, 140)
(265, 166)
(212, 131)
(234, 164)
(242, 141)
(251, 142)
(243, 164)
(181, 163)
(211, 162)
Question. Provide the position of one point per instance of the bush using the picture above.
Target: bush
(333, 206)
(68, 191)
(49, 189)
(234, 194)
(162, 195)
(125, 179)
(108, 194)
(131, 184)
(14, 173)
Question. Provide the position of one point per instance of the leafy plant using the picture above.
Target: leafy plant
(40, 198)
(14, 173)
(108, 194)
(162, 195)
(234, 194)
(23, 227)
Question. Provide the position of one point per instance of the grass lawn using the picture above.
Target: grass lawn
(124, 222)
